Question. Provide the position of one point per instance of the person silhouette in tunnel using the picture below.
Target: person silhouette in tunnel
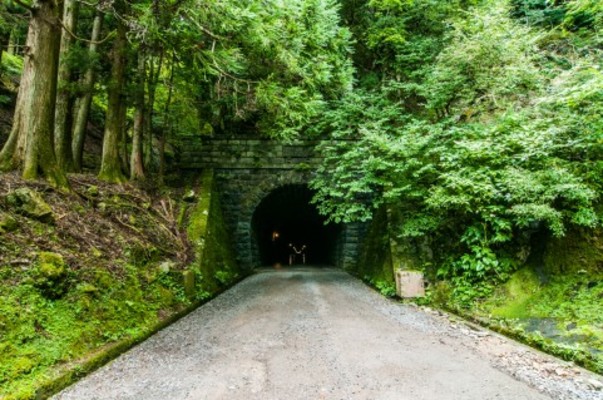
(296, 253)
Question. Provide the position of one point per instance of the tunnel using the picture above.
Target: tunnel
(288, 229)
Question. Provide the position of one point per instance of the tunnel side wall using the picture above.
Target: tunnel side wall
(215, 265)
(375, 258)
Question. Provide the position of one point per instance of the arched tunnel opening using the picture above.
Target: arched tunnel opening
(288, 229)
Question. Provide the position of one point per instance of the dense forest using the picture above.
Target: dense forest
(158, 69)
(476, 125)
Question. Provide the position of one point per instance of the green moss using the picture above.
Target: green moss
(578, 250)
(199, 215)
(7, 223)
(375, 264)
(165, 296)
(559, 313)
(440, 294)
(512, 300)
(46, 342)
(50, 275)
(31, 204)
(87, 288)
(188, 281)
(206, 230)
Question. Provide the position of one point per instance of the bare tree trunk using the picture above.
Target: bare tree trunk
(123, 151)
(136, 162)
(83, 104)
(151, 88)
(62, 133)
(30, 144)
(111, 161)
(13, 152)
(167, 123)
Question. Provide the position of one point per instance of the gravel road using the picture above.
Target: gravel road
(321, 334)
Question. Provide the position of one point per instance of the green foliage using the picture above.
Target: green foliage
(224, 277)
(386, 287)
(482, 144)
(12, 65)
(273, 63)
(539, 12)
(585, 15)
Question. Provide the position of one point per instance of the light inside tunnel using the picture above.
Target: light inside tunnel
(285, 221)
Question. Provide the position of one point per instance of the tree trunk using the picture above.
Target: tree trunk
(111, 162)
(30, 144)
(12, 42)
(151, 88)
(167, 123)
(136, 162)
(13, 152)
(82, 109)
(124, 155)
(4, 40)
(62, 133)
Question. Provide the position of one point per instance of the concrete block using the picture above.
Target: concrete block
(410, 284)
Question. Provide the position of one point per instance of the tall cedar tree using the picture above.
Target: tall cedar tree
(30, 144)
(111, 164)
(62, 132)
(83, 103)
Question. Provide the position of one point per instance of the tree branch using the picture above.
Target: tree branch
(26, 6)
(226, 74)
(73, 35)
(198, 25)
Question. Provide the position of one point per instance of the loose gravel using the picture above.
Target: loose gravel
(321, 334)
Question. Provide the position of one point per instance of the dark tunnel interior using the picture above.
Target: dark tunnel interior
(288, 229)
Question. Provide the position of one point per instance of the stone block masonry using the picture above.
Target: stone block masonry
(247, 169)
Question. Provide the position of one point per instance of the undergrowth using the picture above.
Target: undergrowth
(39, 334)
(560, 314)
(107, 268)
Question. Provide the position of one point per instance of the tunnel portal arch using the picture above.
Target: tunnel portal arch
(288, 229)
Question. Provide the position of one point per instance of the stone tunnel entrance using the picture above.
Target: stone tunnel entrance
(263, 189)
(285, 221)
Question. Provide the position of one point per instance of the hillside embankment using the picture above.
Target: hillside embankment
(86, 274)
(552, 301)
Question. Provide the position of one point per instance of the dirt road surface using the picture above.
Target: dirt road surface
(321, 334)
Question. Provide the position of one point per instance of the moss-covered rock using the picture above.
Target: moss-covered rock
(7, 223)
(87, 288)
(188, 281)
(50, 275)
(92, 191)
(578, 250)
(30, 203)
